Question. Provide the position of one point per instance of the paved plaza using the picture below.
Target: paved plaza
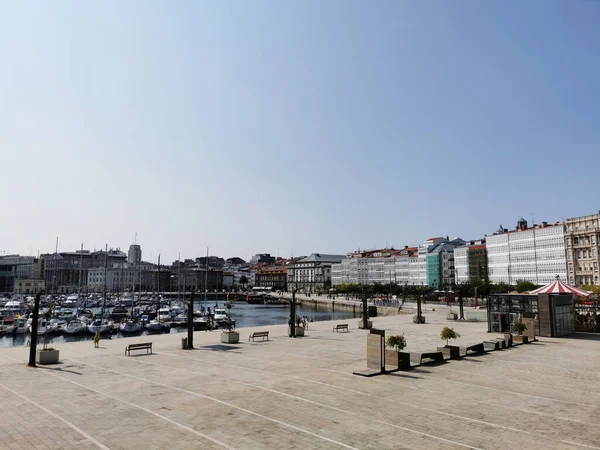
(301, 393)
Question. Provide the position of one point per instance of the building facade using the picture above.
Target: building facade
(461, 264)
(535, 254)
(312, 273)
(273, 277)
(28, 286)
(582, 244)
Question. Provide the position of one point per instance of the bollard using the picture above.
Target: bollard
(184, 342)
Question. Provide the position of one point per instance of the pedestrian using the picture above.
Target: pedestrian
(97, 339)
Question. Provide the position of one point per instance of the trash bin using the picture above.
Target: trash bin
(184, 343)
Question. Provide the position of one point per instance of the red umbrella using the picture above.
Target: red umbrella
(558, 287)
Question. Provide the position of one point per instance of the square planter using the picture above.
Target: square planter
(230, 337)
(369, 324)
(299, 331)
(449, 351)
(415, 319)
(46, 357)
(452, 316)
(521, 339)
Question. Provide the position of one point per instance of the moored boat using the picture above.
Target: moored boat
(102, 325)
(130, 326)
(75, 327)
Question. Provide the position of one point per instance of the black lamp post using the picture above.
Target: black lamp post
(190, 342)
(293, 312)
(34, 328)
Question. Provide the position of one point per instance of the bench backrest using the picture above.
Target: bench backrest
(260, 333)
(148, 344)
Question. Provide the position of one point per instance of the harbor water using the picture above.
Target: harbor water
(245, 315)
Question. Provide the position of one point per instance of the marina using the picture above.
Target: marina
(80, 324)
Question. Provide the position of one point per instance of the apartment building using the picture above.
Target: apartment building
(582, 242)
(536, 254)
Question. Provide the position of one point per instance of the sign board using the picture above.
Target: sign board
(529, 322)
(376, 350)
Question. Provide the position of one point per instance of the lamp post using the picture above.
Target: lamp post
(34, 327)
(190, 342)
(293, 312)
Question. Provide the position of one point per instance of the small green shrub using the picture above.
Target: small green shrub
(448, 333)
(399, 342)
(518, 327)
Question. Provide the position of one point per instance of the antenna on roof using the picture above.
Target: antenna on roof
(135, 238)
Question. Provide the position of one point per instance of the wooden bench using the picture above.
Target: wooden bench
(341, 326)
(260, 334)
(146, 345)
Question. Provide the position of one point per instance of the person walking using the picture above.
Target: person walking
(97, 339)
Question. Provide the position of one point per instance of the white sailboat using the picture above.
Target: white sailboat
(130, 326)
(102, 325)
(21, 326)
(155, 325)
(76, 327)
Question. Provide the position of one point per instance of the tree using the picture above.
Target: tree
(525, 286)
(448, 333)
(397, 342)
(462, 290)
(500, 288)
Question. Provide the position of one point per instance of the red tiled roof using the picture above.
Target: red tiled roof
(476, 247)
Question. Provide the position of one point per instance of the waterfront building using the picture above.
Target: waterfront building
(312, 273)
(582, 242)
(274, 277)
(117, 279)
(536, 254)
(7, 278)
(402, 265)
(28, 286)
(470, 262)
(67, 271)
(246, 272)
(227, 280)
(440, 266)
(461, 264)
(477, 260)
(23, 265)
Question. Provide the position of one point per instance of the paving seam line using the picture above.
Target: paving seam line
(133, 405)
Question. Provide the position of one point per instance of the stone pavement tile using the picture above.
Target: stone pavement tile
(300, 382)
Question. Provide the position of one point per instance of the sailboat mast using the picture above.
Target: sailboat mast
(206, 276)
(105, 264)
(80, 267)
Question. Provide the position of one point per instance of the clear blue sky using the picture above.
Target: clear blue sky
(317, 126)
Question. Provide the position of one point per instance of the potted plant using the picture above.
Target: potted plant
(519, 327)
(229, 335)
(47, 355)
(396, 356)
(449, 351)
